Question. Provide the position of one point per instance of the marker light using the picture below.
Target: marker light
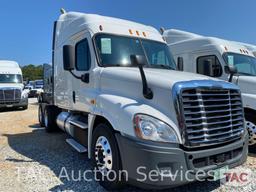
(226, 48)
(130, 31)
(137, 32)
(144, 34)
(101, 28)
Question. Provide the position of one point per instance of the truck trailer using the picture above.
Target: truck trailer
(117, 93)
(12, 94)
(215, 57)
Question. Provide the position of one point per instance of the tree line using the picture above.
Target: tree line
(32, 72)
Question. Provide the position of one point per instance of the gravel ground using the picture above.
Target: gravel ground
(32, 160)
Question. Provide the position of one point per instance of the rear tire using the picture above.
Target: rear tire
(41, 115)
(50, 116)
(106, 157)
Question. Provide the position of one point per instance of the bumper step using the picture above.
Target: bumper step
(77, 146)
(79, 124)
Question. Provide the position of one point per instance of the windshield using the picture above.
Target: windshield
(116, 51)
(10, 78)
(246, 65)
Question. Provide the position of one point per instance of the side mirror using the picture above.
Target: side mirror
(138, 60)
(68, 57)
(180, 65)
(230, 69)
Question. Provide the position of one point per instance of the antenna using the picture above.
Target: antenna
(62, 11)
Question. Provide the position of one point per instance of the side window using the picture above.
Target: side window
(83, 57)
(209, 65)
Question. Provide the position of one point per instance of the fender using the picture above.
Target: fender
(120, 111)
(249, 100)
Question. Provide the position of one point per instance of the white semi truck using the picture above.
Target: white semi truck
(117, 94)
(12, 94)
(218, 58)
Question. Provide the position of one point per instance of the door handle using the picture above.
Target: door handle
(74, 97)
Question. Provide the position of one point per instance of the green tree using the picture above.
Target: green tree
(32, 72)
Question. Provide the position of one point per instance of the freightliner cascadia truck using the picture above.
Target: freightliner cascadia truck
(12, 93)
(117, 94)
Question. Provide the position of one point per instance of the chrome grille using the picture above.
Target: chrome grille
(212, 116)
(10, 95)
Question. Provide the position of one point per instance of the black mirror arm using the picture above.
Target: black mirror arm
(84, 78)
(147, 92)
(231, 77)
(74, 75)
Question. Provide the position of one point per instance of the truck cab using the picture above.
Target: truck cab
(214, 57)
(117, 94)
(12, 94)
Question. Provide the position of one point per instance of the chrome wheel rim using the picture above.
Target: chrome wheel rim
(103, 155)
(251, 127)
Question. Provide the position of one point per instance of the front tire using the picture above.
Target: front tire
(106, 157)
(41, 116)
(50, 116)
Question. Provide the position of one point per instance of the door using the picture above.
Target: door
(210, 63)
(82, 91)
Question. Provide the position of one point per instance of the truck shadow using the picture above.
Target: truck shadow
(52, 151)
(6, 110)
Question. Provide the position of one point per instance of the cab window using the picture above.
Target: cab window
(209, 65)
(83, 57)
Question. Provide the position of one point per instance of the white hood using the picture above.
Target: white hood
(11, 85)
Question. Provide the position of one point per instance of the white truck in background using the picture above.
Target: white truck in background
(12, 94)
(116, 92)
(219, 58)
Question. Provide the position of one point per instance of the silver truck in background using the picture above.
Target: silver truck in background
(12, 94)
(116, 92)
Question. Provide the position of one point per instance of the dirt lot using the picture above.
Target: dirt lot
(32, 160)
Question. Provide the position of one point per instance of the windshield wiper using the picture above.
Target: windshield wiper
(161, 66)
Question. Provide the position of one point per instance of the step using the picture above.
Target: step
(79, 124)
(77, 146)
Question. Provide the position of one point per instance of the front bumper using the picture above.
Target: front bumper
(139, 158)
(10, 104)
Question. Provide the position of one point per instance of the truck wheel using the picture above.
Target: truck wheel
(251, 127)
(106, 157)
(50, 115)
(41, 115)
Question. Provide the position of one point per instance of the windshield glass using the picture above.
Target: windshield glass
(10, 78)
(246, 65)
(116, 51)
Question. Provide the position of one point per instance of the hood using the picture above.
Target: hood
(156, 77)
(11, 85)
(247, 84)
(126, 82)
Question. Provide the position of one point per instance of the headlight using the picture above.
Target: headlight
(150, 128)
(24, 94)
